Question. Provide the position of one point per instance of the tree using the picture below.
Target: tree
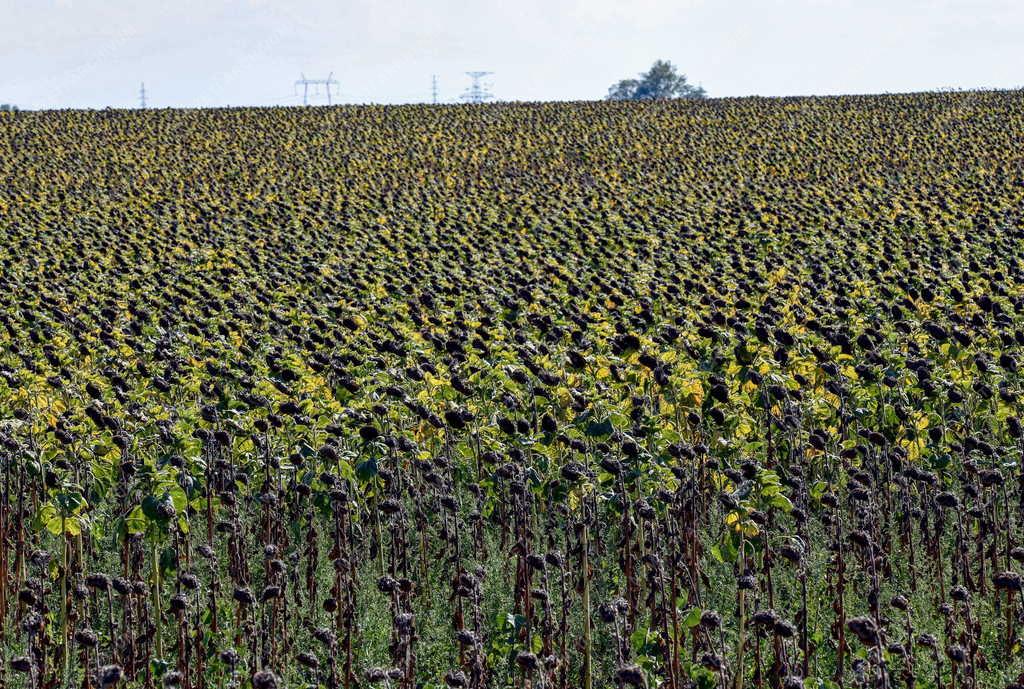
(660, 82)
(7, 107)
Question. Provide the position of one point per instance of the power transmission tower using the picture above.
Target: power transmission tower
(477, 91)
(306, 83)
(142, 96)
(433, 88)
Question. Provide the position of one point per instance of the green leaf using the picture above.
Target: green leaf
(596, 430)
(73, 526)
(346, 471)
(366, 470)
(168, 560)
(151, 508)
(692, 618)
(54, 525)
(728, 550)
(178, 499)
(158, 667)
(69, 502)
(136, 521)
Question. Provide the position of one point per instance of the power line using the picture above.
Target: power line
(477, 91)
(433, 88)
(142, 96)
(306, 83)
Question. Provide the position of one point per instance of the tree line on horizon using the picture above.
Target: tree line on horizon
(662, 81)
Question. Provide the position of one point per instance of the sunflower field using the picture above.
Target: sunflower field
(719, 394)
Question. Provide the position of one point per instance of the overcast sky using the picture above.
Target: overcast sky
(95, 53)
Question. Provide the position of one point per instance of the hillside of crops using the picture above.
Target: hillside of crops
(719, 394)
